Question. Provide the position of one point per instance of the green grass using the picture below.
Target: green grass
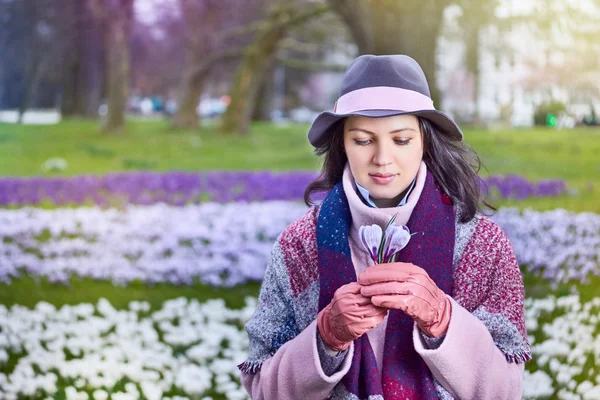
(28, 291)
(572, 155)
(151, 146)
(540, 153)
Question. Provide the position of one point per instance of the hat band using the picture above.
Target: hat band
(382, 98)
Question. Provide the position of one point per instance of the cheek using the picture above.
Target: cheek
(358, 155)
(409, 155)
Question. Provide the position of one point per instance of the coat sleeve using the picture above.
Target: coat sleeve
(468, 364)
(283, 362)
(484, 351)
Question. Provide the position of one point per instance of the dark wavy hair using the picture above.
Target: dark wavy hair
(453, 164)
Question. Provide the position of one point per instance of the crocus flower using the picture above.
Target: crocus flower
(371, 237)
(383, 245)
(396, 238)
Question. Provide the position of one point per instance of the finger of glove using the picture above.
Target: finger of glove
(389, 272)
(398, 266)
(384, 288)
(359, 328)
(393, 301)
(413, 306)
(414, 288)
(419, 279)
(406, 303)
(349, 301)
(375, 313)
(349, 288)
(356, 311)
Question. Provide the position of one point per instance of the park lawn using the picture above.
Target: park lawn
(538, 153)
(151, 145)
(28, 291)
(572, 155)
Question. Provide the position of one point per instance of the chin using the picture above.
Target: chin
(384, 194)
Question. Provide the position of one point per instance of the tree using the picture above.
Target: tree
(476, 16)
(260, 57)
(83, 78)
(30, 48)
(407, 27)
(216, 32)
(157, 51)
(117, 15)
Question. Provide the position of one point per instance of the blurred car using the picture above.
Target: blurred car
(212, 107)
(303, 115)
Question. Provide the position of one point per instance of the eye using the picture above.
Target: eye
(362, 142)
(402, 142)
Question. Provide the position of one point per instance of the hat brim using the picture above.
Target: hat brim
(326, 119)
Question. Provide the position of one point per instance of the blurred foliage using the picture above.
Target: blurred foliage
(546, 109)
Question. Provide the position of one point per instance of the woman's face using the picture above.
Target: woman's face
(384, 155)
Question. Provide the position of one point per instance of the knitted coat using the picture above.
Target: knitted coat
(487, 284)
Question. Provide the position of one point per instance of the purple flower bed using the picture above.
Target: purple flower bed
(179, 188)
(516, 187)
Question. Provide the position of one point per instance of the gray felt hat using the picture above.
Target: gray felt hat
(381, 86)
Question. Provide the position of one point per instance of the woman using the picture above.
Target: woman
(445, 320)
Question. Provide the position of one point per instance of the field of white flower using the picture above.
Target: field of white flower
(186, 349)
(228, 244)
(189, 349)
(565, 341)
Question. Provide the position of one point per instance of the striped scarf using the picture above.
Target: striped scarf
(405, 375)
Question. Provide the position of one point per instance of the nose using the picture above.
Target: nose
(382, 155)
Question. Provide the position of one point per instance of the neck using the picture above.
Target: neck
(386, 203)
(363, 214)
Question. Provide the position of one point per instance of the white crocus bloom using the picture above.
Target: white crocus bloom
(222, 244)
(124, 344)
(227, 244)
(100, 395)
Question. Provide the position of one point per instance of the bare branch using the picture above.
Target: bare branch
(207, 63)
(310, 65)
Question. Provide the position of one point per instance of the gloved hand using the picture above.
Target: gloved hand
(409, 288)
(348, 317)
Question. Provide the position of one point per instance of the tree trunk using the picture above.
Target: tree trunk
(70, 89)
(84, 73)
(77, 19)
(117, 68)
(265, 98)
(408, 27)
(29, 86)
(355, 13)
(186, 115)
(93, 74)
(472, 62)
(258, 59)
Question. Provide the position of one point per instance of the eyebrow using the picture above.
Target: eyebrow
(372, 133)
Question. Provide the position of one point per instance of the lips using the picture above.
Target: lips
(382, 179)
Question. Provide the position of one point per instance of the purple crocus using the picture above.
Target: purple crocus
(396, 238)
(382, 245)
(371, 237)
